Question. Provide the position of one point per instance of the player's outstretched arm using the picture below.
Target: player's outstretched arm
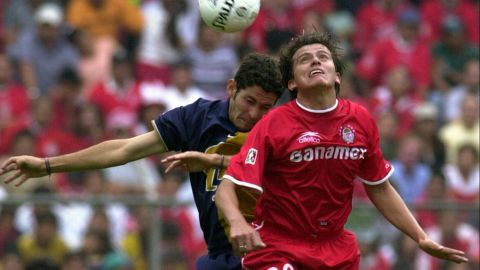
(393, 208)
(194, 161)
(102, 155)
(244, 237)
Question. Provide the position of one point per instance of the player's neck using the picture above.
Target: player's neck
(317, 101)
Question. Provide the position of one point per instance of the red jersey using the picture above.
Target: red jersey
(305, 163)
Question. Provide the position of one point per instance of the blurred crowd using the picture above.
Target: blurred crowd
(76, 72)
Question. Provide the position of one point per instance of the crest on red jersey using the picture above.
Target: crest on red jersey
(348, 133)
(251, 156)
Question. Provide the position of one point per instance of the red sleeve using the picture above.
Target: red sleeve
(374, 168)
(246, 168)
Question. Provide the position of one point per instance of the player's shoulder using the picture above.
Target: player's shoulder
(201, 106)
(354, 108)
(277, 114)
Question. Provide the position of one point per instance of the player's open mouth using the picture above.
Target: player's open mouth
(316, 72)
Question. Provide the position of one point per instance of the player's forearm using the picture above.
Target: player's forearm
(227, 201)
(99, 156)
(390, 204)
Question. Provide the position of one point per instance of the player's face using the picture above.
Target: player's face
(248, 105)
(313, 68)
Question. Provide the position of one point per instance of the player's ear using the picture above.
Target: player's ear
(292, 85)
(231, 87)
(338, 78)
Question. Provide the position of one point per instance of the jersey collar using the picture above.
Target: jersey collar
(318, 111)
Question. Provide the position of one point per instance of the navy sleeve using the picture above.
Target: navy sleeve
(176, 126)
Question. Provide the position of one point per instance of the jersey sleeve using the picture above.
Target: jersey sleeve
(374, 169)
(246, 167)
(173, 127)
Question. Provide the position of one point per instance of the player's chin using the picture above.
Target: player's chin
(244, 127)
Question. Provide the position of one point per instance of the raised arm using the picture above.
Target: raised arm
(244, 237)
(390, 204)
(105, 154)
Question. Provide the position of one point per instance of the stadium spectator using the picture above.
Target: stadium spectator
(11, 261)
(136, 239)
(432, 151)
(92, 65)
(8, 233)
(119, 94)
(376, 20)
(387, 127)
(411, 176)
(89, 124)
(14, 102)
(17, 16)
(273, 26)
(153, 102)
(101, 254)
(463, 176)
(404, 47)
(45, 242)
(66, 99)
(108, 22)
(451, 53)
(43, 51)
(433, 13)
(182, 90)
(213, 61)
(463, 130)
(435, 193)
(49, 139)
(42, 264)
(397, 95)
(91, 184)
(75, 260)
(171, 28)
(103, 27)
(469, 84)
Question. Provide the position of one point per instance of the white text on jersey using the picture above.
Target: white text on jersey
(331, 152)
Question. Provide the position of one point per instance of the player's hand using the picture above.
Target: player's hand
(191, 161)
(22, 168)
(244, 238)
(439, 251)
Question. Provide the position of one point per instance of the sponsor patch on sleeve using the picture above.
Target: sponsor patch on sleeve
(251, 156)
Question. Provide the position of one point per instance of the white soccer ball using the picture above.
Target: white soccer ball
(229, 15)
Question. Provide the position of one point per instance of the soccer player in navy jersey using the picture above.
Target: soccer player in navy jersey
(301, 160)
(213, 127)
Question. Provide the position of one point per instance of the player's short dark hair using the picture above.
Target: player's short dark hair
(259, 70)
(286, 55)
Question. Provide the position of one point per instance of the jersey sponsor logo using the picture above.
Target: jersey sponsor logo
(330, 152)
(309, 137)
(348, 133)
(251, 156)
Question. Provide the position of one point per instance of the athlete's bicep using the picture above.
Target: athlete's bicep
(145, 145)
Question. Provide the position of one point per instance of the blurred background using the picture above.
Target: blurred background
(76, 72)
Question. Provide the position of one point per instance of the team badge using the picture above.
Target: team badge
(251, 156)
(348, 133)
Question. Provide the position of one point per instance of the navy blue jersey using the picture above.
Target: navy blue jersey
(201, 126)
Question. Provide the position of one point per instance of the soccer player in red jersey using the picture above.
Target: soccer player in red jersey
(302, 159)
